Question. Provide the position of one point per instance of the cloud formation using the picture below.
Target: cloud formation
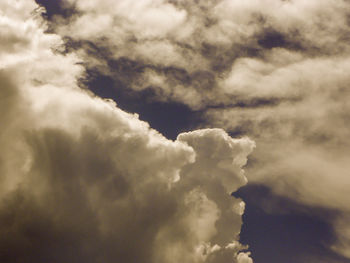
(206, 53)
(84, 181)
(274, 70)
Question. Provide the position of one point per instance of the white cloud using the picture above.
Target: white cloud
(244, 258)
(285, 62)
(275, 70)
(82, 180)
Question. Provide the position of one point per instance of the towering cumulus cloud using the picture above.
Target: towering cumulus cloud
(275, 70)
(83, 181)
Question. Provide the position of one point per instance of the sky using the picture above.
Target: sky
(163, 131)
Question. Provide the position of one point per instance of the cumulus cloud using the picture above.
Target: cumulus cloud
(84, 181)
(274, 70)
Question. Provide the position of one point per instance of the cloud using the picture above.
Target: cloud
(82, 180)
(343, 243)
(274, 70)
(303, 141)
(301, 132)
(208, 53)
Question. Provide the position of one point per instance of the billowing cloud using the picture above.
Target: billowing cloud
(84, 181)
(274, 70)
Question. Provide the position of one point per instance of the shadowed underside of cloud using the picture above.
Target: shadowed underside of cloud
(84, 181)
(274, 70)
